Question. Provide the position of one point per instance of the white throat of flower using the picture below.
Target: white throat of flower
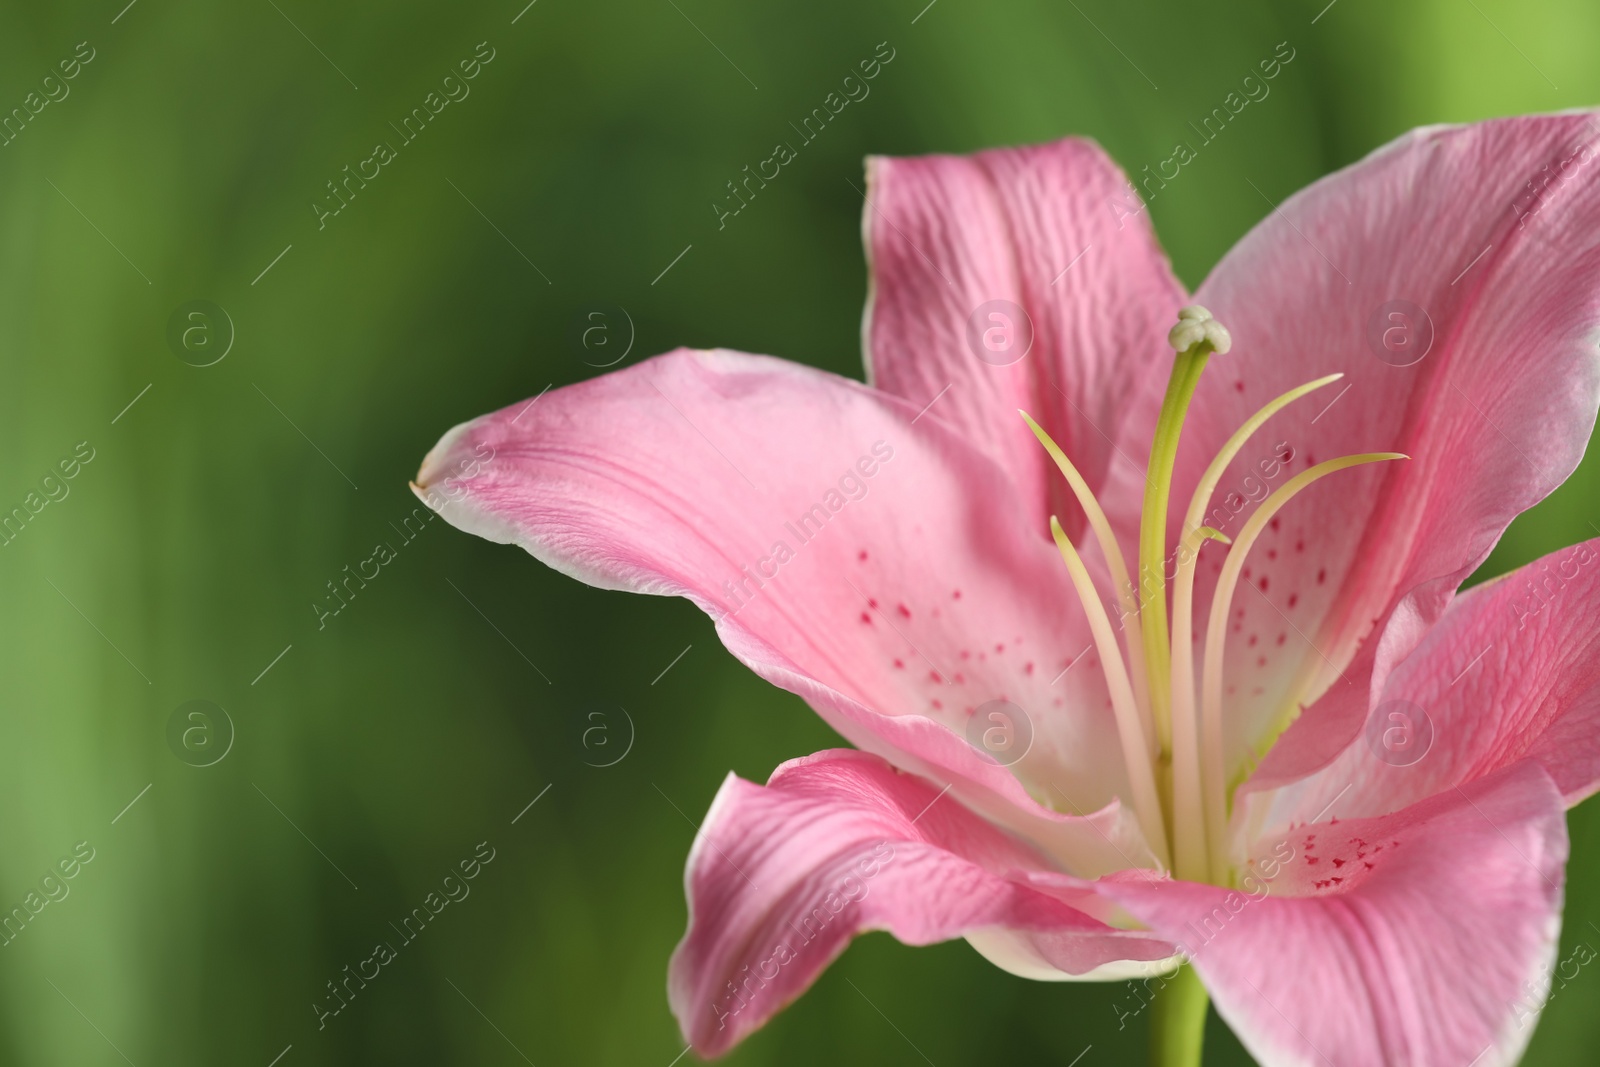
(1170, 732)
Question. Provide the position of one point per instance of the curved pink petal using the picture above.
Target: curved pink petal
(866, 559)
(782, 877)
(1511, 672)
(1416, 939)
(1495, 413)
(1056, 230)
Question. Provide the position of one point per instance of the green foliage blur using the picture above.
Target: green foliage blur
(392, 738)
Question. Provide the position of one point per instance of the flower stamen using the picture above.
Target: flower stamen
(1118, 568)
(1141, 775)
(1189, 834)
(1214, 776)
(1173, 751)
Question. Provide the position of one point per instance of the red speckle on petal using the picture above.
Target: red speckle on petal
(1263, 583)
(1282, 638)
(1311, 860)
(862, 555)
(1272, 553)
(1239, 385)
(999, 648)
(866, 618)
(1253, 639)
(1300, 546)
(899, 664)
(1027, 668)
(1274, 524)
(956, 595)
(1261, 661)
(965, 654)
(871, 603)
(933, 676)
(937, 705)
(904, 611)
(1322, 575)
(1338, 863)
(1294, 598)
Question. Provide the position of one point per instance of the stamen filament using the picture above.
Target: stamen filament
(1216, 794)
(1141, 775)
(1118, 568)
(1188, 785)
(1188, 799)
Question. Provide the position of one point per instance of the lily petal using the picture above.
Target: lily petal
(1057, 231)
(782, 877)
(850, 552)
(1495, 412)
(1420, 938)
(1511, 672)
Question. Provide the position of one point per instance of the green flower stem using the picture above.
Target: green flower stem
(1178, 1021)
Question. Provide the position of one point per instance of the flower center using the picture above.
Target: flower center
(1170, 730)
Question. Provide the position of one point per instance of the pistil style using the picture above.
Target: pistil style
(1195, 337)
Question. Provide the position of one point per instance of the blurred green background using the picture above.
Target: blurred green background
(381, 749)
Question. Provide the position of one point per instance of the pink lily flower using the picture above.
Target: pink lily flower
(1257, 732)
